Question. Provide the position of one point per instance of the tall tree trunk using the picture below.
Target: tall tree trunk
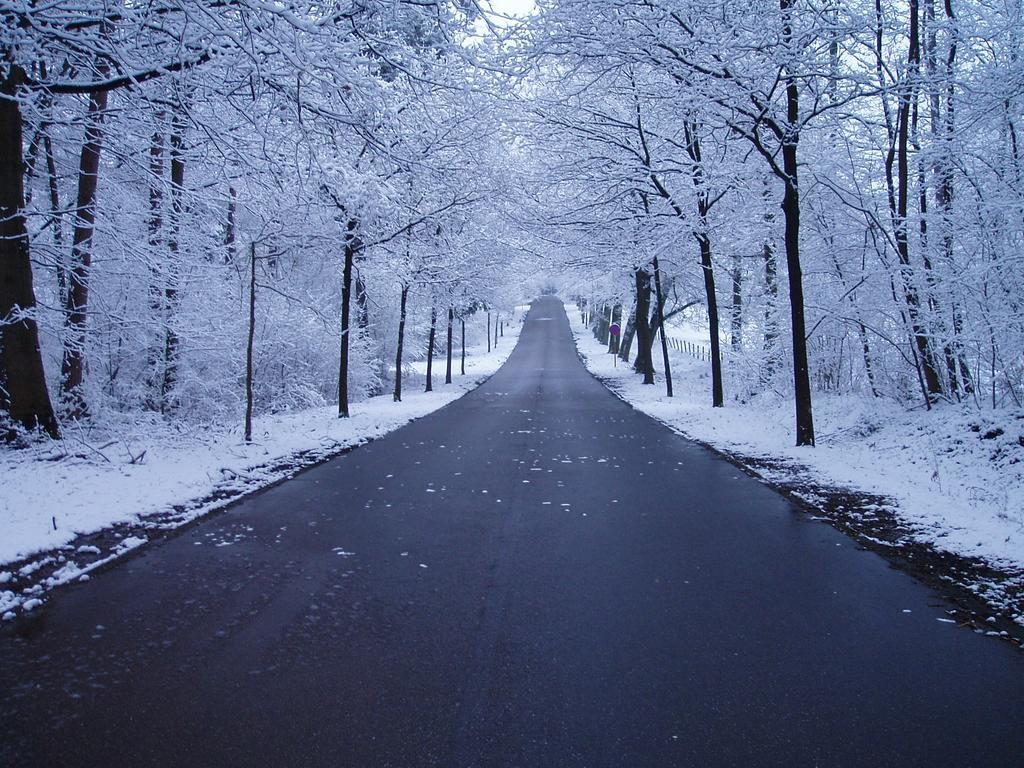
(23, 393)
(448, 363)
(643, 363)
(488, 331)
(497, 323)
(660, 296)
(401, 343)
(430, 348)
(791, 213)
(249, 343)
(154, 226)
(73, 365)
(711, 296)
(170, 297)
(462, 321)
(346, 302)
(56, 218)
(693, 149)
(908, 93)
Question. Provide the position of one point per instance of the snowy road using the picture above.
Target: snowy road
(535, 575)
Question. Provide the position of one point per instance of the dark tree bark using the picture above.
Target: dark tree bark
(660, 296)
(73, 365)
(56, 218)
(711, 297)
(23, 393)
(497, 323)
(693, 149)
(791, 214)
(462, 321)
(154, 226)
(790, 136)
(170, 298)
(351, 245)
(488, 331)
(401, 343)
(602, 319)
(925, 354)
(641, 322)
(627, 337)
(229, 226)
(448, 364)
(249, 343)
(430, 349)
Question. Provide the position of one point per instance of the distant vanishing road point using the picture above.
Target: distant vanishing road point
(536, 575)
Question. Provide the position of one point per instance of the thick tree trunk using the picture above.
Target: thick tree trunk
(660, 296)
(448, 362)
(401, 343)
(346, 302)
(73, 365)
(23, 393)
(643, 363)
(791, 212)
(801, 373)
(430, 349)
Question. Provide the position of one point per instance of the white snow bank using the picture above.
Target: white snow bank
(956, 475)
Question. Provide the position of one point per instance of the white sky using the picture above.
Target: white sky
(518, 8)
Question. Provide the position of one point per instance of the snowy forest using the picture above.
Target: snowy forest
(215, 207)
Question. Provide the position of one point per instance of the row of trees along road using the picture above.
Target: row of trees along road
(206, 202)
(191, 192)
(864, 154)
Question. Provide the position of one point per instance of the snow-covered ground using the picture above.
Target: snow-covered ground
(146, 471)
(955, 476)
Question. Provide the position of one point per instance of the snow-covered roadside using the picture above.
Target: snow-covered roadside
(954, 478)
(150, 477)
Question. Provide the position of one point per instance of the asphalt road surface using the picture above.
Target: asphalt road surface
(535, 575)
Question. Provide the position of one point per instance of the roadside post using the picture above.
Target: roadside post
(613, 331)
